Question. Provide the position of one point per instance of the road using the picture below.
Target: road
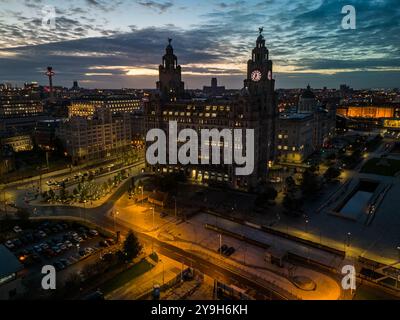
(224, 273)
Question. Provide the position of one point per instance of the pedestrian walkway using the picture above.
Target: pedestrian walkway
(165, 270)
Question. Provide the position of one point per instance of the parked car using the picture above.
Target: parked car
(230, 251)
(44, 246)
(37, 249)
(89, 250)
(94, 232)
(58, 265)
(17, 243)
(36, 258)
(62, 246)
(223, 248)
(65, 262)
(42, 234)
(110, 241)
(103, 243)
(9, 244)
(17, 229)
(68, 244)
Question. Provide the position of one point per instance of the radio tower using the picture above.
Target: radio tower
(50, 73)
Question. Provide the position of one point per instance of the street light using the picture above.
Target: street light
(163, 270)
(152, 208)
(220, 244)
(115, 214)
(348, 238)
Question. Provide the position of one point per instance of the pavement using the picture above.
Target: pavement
(192, 236)
(164, 271)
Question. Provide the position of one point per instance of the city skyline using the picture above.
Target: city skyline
(117, 45)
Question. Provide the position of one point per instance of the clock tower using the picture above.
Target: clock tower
(261, 112)
(259, 69)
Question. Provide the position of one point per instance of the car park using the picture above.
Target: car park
(56, 249)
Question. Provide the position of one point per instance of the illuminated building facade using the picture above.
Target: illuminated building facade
(86, 106)
(18, 103)
(18, 143)
(104, 135)
(305, 129)
(374, 112)
(255, 107)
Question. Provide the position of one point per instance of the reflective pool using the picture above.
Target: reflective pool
(357, 204)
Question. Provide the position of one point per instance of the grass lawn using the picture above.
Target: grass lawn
(372, 167)
(119, 280)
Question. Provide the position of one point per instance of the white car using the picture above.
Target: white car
(89, 250)
(93, 232)
(17, 229)
(9, 244)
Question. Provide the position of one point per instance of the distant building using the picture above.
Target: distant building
(305, 129)
(17, 103)
(101, 136)
(18, 142)
(85, 106)
(307, 101)
(295, 137)
(10, 275)
(214, 89)
(7, 160)
(75, 85)
(44, 133)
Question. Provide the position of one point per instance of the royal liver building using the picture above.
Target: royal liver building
(255, 107)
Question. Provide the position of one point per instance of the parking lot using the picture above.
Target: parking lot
(60, 244)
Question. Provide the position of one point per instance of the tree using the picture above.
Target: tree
(332, 173)
(132, 246)
(290, 183)
(51, 194)
(309, 183)
(23, 214)
(269, 194)
(291, 203)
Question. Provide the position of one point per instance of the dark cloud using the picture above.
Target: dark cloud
(160, 6)
(304, 36)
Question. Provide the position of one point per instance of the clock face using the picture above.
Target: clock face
(256, 75)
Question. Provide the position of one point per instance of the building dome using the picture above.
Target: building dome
(308, 94)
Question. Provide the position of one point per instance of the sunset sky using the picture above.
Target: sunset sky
(114, 44)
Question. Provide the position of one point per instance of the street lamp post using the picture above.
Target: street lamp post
(153, 217)
(220, 244)
(176, 215)
(115, 214)
(397, 278)
(348, 238)
(163, 271)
